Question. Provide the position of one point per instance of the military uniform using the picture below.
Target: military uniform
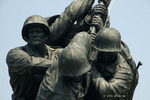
(66, 89)
(26, 70)
(114, 78)
(72, 62)
(111, 84)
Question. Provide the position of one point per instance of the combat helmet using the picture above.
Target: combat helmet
(108, 40)
(73, 60)
(33, 21)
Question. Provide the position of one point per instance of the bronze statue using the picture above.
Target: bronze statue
(105, 70)
(95, 64)
(74, 75)
(114, 76)
(51, 77)
(27, 64)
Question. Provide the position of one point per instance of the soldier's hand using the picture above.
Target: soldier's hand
(97, 22)
(106, 2)
(99, 9)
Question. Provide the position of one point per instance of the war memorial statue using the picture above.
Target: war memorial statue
(64, 60)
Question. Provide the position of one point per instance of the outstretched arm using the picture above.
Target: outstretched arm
(20, 62)
(65, 21)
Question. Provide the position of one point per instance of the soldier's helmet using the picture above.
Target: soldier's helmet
(73, 62)
(108, 40)
(35, 21)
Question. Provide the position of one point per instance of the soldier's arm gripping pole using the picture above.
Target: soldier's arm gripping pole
(102, 3)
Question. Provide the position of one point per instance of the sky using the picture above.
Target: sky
(130, 17)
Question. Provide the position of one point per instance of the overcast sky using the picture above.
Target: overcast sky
(130, 17)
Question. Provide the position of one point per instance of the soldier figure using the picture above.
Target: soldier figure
(69, 75)
(113, 75)
(74, 69)
(27, 64)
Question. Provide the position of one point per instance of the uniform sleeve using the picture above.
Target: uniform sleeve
(48, 83)
(19, 61)
(117, 87)
(65, 21)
